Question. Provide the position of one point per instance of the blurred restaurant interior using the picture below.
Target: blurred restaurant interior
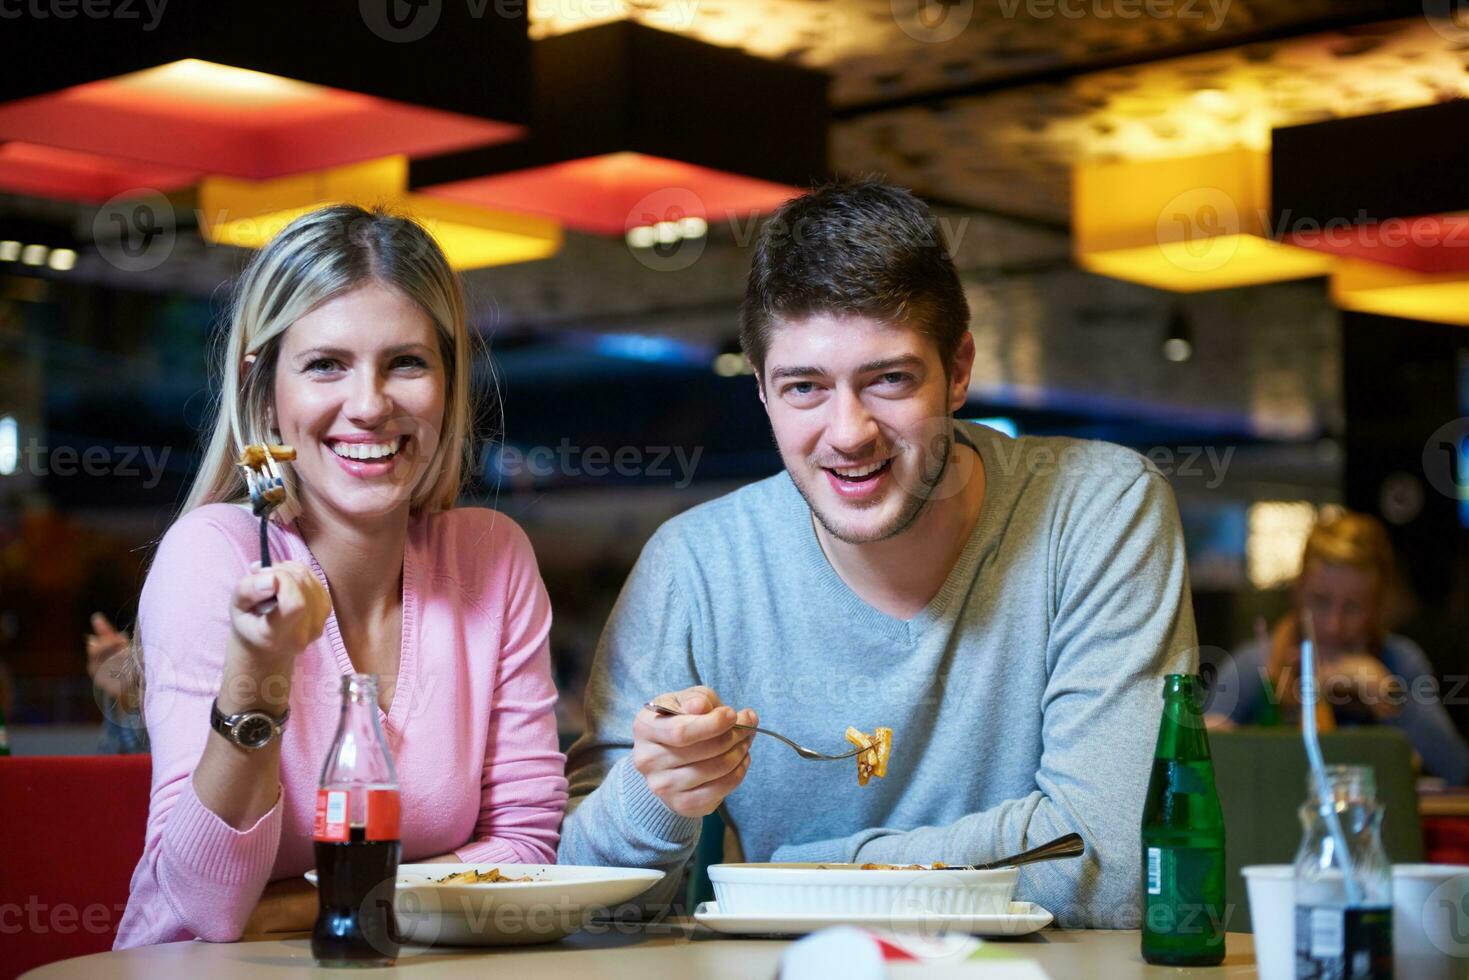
(1222, 233)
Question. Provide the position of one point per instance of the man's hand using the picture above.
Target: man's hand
(692, 763)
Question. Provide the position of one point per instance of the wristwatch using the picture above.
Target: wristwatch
(248, 729)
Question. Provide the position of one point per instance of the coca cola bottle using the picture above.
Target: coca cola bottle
(357, 841)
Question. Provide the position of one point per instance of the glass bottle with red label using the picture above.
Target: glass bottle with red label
(357, 839)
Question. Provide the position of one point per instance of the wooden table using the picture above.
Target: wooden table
(616, 952)
(1448, 803)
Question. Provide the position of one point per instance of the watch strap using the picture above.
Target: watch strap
(225, 724)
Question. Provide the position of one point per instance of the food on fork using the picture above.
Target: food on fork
(476, 877)
(876, 749)
(258, 460)
(254, 455)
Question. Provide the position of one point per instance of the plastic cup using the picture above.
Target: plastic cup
(1272, 896)
(1430, 921)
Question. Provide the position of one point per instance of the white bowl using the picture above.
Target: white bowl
(558, 901)
(845, 889)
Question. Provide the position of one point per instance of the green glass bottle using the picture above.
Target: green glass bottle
(1183, 838)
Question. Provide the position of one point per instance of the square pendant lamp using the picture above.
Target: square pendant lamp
(634, 127)
(249, 213)
(1386, 193)
(252, 89)
(1184, 224)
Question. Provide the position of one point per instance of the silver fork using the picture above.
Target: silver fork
(801, 750)
(267, 491)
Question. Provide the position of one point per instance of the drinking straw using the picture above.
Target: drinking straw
(1318, 766)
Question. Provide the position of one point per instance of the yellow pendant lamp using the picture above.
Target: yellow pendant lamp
(1376, 287)
(1184, 224)
(249, 213)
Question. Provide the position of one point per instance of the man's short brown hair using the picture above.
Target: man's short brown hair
(854, 248)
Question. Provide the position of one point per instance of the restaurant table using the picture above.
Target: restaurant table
(1444, 803)
(627, 951)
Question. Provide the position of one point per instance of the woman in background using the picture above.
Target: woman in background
(1368, 676)
(348, 342)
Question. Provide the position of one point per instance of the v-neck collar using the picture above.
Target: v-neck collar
(393, 719)
(955, 584)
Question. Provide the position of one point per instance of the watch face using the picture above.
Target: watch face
(254, 730)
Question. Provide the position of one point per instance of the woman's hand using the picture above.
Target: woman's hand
(302, 607)
(107, 662)
(1363, 678)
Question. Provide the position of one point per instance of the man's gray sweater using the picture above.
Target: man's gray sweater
(1024, 699)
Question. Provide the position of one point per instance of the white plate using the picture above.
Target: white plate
(846, 889)
(1022, 919)
(557, 902)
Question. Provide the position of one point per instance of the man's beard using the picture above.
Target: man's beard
(913, 505)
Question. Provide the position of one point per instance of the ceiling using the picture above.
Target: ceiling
(987, 104)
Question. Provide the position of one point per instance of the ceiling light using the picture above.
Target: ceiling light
(645, 146)
(258, 89)
(250, 213)
(1184, 224)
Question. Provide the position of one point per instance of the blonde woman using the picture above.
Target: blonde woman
(1368, 675)
(348, 341)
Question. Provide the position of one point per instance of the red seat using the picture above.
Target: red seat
(72, 828)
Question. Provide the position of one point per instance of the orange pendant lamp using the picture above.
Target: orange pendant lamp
(635, 127)
(253, 89)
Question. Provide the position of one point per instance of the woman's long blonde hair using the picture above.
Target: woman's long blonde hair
(319, 256)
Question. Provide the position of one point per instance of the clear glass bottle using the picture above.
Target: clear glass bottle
(1341, 935)
(357, 838)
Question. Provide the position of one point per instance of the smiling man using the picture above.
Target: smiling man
(1008, 607)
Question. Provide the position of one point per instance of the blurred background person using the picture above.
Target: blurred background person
(1368, 675)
